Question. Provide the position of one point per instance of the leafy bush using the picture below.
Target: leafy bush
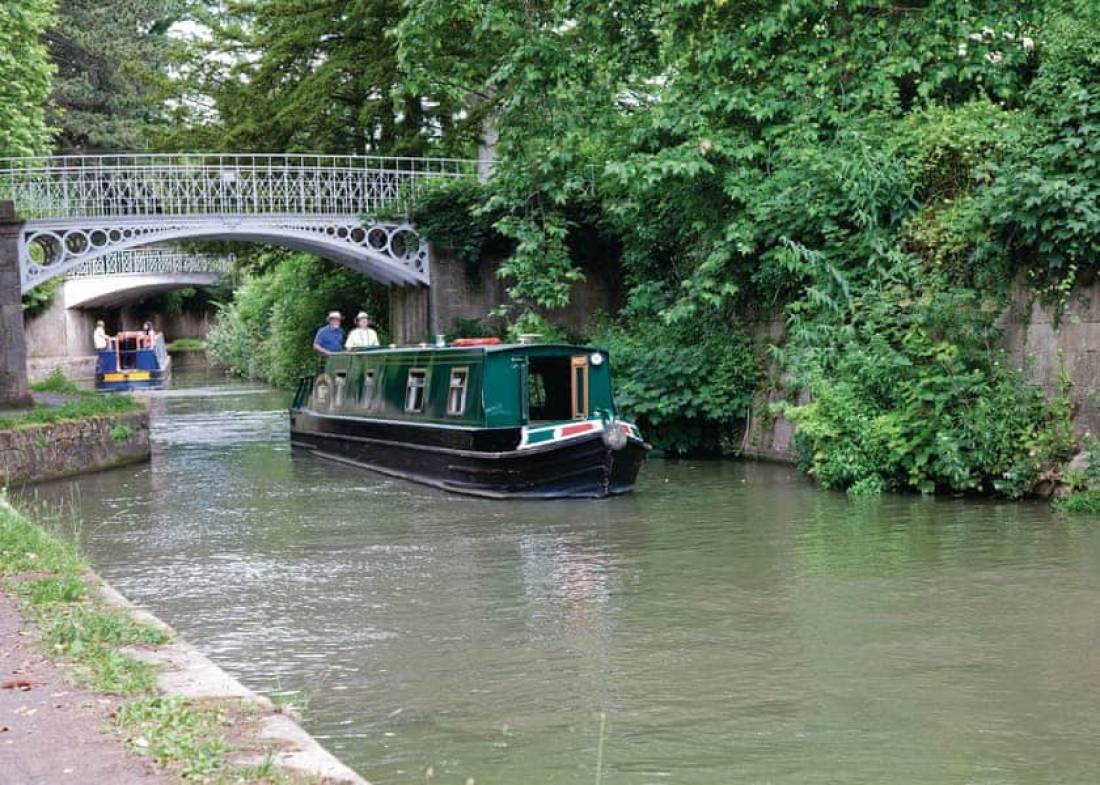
(1043, 198)
(531, 323)
(907, 393)
(450, 214)
(266, 332)
(121, 433)
(56, 382)
(1080, 502)
(38, 299)
(687, 386)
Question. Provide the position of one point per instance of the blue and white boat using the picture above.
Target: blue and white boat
(133, 361)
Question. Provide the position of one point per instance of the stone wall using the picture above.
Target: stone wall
(45, 452)
(409, 317)
(1047, 343)
(462, 292)
(183, 324)
(60, 338)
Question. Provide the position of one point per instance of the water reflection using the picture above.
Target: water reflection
(735, 623)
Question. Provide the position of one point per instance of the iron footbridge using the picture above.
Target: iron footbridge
(350, 209)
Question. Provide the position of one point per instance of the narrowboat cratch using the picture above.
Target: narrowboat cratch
(476, 417)
(133, 361)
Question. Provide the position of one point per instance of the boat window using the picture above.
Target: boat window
(415, 390)
(536, 391)
(367, 394)
(340, 384)
(549, 389)
(456, 394)
(580, 388)
(321, 392)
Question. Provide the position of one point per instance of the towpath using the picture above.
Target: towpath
(52, 733)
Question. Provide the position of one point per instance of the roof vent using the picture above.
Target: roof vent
(527, 339)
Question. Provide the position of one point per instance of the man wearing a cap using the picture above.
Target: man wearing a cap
(330, 338)
(362, 336)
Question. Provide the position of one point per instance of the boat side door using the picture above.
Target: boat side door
(579, 386)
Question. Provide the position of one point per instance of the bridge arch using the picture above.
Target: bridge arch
(390, 252)
(122, 277)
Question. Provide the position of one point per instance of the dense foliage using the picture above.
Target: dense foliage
(24, 77)
(907, 393)
(879, 173)
(451, 214)
(266, 332)
(111, 58)
(288, 76)
(687, 385)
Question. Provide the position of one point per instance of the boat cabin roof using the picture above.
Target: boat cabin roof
(497, 348)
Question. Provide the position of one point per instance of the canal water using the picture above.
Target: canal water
(727, 623)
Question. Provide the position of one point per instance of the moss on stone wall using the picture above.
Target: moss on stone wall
(44, 451)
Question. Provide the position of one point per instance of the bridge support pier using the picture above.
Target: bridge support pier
(13, 342)
(410, 317)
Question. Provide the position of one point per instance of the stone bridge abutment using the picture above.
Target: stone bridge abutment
(13, 344)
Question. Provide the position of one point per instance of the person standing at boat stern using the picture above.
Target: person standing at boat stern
(362, 336)
(330, 338)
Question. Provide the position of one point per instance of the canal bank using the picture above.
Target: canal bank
(68, 431)
(107, 676)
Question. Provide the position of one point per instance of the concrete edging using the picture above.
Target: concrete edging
(185, 672)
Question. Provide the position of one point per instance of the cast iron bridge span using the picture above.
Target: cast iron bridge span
(119, 277)
(350, 209)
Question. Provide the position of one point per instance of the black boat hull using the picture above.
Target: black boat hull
(580, 467)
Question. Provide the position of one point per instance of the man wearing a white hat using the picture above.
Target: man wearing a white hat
(330, 338)
(362, 336)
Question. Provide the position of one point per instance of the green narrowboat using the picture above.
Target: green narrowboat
(476, 416)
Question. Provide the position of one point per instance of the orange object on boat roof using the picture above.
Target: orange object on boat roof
(475, 342)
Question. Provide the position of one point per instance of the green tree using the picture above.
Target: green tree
(111, 57)
(560, 82)
(24, 77)
(289, 75)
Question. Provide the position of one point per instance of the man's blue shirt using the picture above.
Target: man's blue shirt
(330, 338)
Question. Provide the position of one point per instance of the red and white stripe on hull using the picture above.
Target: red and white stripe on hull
(544, 434)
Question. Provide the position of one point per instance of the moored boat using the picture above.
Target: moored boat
(133, 361)
(476, 417)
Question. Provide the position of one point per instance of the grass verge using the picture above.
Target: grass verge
(187, 345)
(42, 566)
(56, 382)
(80, 406)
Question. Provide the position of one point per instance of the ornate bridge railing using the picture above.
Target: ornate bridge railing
(350, 209)
(152, 261)
(133, 186)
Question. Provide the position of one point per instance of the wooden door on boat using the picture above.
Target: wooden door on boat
(580, 387)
